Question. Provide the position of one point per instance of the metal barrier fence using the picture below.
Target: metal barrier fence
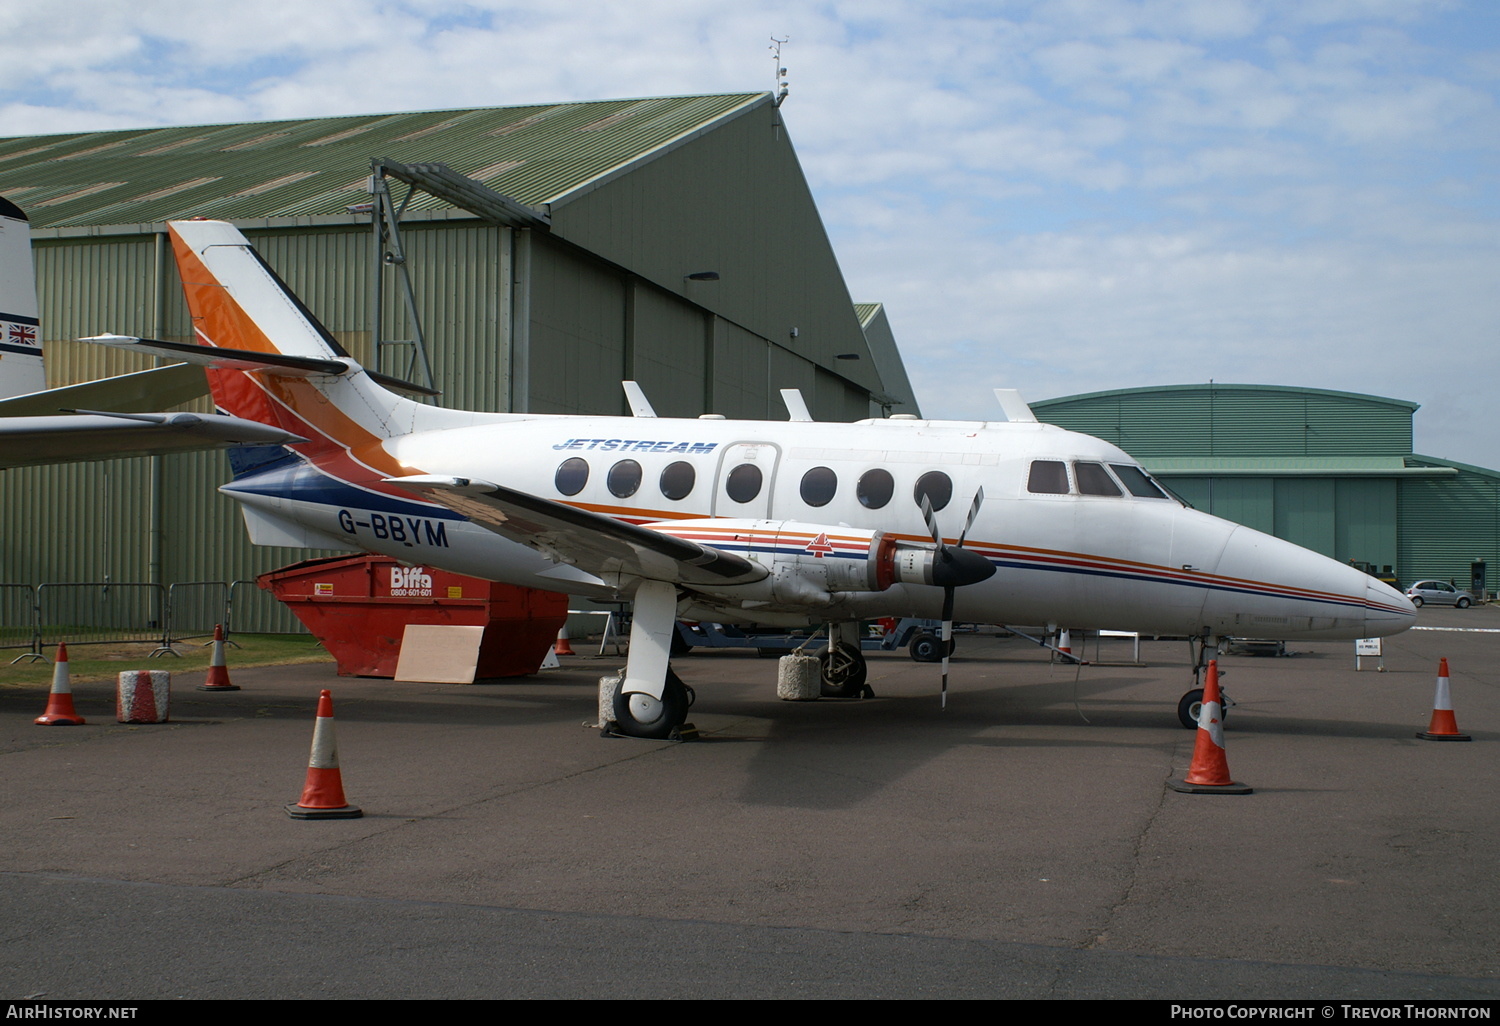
(18, 623)
(32, 618)
(194, 608)
(253, 610)
(101, 613)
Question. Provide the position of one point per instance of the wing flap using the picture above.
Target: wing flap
(592, 542)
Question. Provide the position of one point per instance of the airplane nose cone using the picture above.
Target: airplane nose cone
(1271, 588)
(1387, 610)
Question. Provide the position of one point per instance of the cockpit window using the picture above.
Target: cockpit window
(1137, 482)
(1093, 479)
(1048, 477)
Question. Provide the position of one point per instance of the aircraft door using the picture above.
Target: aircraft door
(746, 480)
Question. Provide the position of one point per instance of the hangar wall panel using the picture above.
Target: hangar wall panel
(93, 287)
(735, 201)
(1366, 525)
(740, 373)
(1248, 501)
(1447, 523)
(667, 352)
(1305, 513)
(578, 352)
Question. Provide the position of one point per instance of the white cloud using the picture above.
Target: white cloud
(1063, 196)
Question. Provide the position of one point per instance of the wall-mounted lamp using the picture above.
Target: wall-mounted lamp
(701, 276)
(847, 356)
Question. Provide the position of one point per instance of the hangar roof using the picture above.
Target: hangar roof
(1238, 421)
(314, 168)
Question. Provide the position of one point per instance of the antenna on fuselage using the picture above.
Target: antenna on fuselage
(640, 406)
(1016, 409)
(796, 406)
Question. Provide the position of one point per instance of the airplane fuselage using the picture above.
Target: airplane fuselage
(1078, 534)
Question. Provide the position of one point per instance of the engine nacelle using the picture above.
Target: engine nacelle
(810, 564)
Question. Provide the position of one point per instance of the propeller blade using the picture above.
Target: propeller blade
(931, 518)
(973, 515)
(947, 638)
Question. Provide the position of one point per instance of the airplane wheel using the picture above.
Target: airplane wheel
(844, 672)
(1189, 708)
(928, 648)
(640, 715)
(1192, 704)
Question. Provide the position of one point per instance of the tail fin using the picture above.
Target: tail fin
(21, 370)
(238, 302)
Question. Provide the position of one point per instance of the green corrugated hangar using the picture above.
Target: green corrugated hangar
(1331, 471)
(552, 251)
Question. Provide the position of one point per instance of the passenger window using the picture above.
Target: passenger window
(624, 478)
(1048, 477)
(743, 483)
(938, 488)
(1137, 482)
(818, 486)
(1093, 479)
(572, 476)
(875, 488)
(678, 479)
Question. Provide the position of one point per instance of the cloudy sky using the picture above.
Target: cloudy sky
(1060, 196)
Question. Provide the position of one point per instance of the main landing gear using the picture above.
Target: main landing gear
(637, 714)
(844, 669)
(652, 701)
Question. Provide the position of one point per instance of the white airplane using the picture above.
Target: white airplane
(34, 428)
(747, 522)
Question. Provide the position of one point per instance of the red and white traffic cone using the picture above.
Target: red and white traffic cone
(1209, 773)
(1443, 727)
(1065, 643)
(323, 794)
(562, 647)
(218, 672)
(60, 712)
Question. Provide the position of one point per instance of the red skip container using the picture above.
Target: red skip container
(359, 606)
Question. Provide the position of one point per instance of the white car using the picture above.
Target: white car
(1438, 594)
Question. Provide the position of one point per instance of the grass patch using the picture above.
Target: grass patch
(104, 662)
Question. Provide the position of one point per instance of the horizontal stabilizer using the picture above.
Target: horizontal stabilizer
(220, 358)
(27, 441)
(592, 542)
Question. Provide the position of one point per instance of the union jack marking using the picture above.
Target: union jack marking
(23, 334)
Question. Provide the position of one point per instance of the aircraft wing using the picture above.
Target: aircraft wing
(25, 441)
(594, 543)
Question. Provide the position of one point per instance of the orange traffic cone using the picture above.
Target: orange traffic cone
(60, 712)
(562, 647)
(323, 794)
(1209, 773)
(1444, 727)
(218, 672)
